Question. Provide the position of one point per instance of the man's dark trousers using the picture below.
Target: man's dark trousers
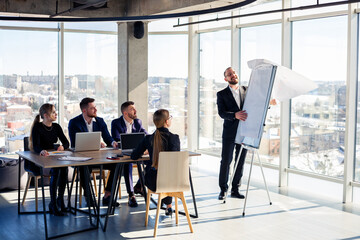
(228, 146)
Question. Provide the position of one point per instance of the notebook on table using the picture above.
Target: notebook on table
(87, 141)
(129, 141)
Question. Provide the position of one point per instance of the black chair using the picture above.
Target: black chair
(33, 172)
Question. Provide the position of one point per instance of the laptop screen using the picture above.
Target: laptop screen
(129, 141)
(87, 141)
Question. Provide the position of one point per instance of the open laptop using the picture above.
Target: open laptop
(87, 141)
(129, 141)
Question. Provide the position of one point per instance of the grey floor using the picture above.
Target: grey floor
(292, 215)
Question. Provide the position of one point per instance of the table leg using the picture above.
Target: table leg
(118, 169)
(70, 193)
(99, 194)
(193, 197)
(89, 196)
(19, 179)
(116, 191)
(43, 200)
(140, 167)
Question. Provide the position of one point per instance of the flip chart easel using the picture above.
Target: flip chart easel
(256, 104)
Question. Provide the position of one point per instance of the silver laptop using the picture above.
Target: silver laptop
(87, 141)
(129, 141)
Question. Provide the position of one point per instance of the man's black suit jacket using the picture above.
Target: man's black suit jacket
(77, 124)
(227, 108)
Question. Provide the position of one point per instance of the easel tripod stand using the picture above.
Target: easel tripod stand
(253, 150)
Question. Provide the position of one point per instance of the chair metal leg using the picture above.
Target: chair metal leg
(27, 188)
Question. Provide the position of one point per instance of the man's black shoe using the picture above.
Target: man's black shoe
(138, 190)
(221, 195)
(132, 202)
(107, 200)
(236, 194)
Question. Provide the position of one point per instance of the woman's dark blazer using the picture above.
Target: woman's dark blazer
(171, 142)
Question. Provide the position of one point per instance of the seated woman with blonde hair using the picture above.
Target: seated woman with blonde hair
(43, 136)
(161, 140)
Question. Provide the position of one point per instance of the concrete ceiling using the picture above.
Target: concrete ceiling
(109, 8)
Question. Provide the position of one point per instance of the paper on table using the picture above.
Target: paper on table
(69, 158)
(60, 153)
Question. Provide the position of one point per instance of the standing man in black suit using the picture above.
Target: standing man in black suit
(230, 103)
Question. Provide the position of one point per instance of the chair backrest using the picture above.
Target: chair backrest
(29, 166)
(173, 172)
(26, 144)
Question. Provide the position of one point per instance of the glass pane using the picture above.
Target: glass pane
(300, 3)
(215, 55)
(214, 24)
(318, 117)
(274, 5)
(102, 26)
(264, 42)
(167, 25)
(28, 79)
(91, 71)
(167, 84)
(29, 24)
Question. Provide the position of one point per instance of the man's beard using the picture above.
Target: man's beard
(133, 117)
(233, 82)
(92, 115)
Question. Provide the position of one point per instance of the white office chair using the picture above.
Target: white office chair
(172, 180)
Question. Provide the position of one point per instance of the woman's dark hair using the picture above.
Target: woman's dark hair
(45, 108)
(160, 117)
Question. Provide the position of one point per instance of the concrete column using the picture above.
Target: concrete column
(133, 69)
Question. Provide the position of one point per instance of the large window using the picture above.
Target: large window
(91, 71)
(255, 8)
(167, 83)
(318, 117)
(215, 57)
(300, 3)
(28, 78)
(263, 42)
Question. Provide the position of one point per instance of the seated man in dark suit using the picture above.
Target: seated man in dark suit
(88, 121)
(127, 123)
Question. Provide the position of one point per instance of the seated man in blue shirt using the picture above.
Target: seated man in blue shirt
(88, 121)
(127, 123)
